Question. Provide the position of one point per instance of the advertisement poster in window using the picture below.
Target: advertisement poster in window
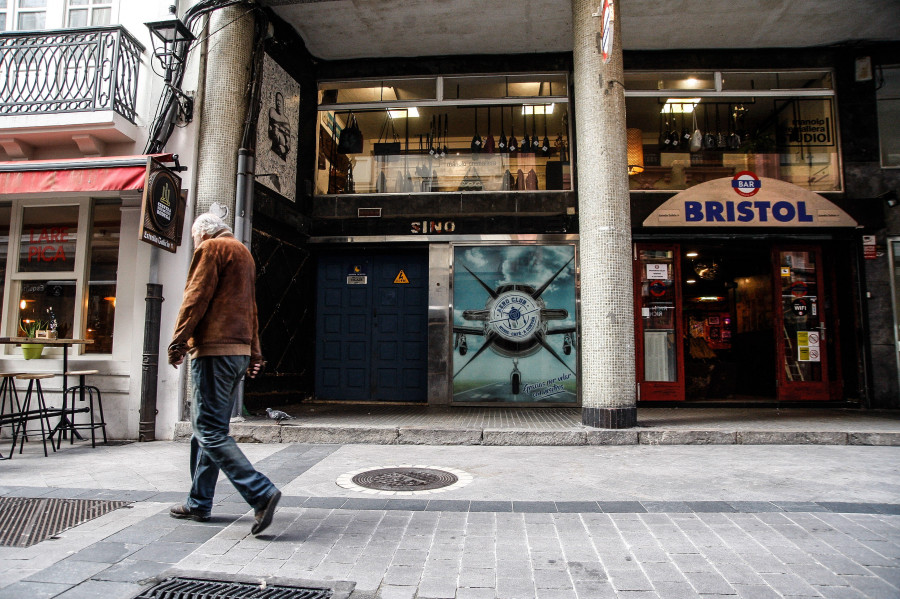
(276, 130)
(514, 327)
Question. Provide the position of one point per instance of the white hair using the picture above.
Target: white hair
(208, 224)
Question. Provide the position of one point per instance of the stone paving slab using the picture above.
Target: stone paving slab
(588, 522)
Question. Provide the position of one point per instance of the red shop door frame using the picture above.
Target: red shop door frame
(657, 390)
(802, 379)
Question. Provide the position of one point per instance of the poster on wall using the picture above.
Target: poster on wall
(276, 130)
(514, 327)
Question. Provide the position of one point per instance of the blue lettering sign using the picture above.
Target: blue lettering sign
(693, 212)
(783, 212)
(745, 212)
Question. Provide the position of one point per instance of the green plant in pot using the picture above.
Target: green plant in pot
(31, 351)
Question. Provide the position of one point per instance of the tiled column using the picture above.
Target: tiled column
(607, 304)
(224, 109)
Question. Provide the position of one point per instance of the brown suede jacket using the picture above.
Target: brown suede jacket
(218, 312)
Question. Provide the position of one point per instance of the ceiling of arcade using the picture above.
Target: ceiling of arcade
(345, 29)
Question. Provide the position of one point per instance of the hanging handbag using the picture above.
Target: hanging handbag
(387, 148)
(350, 140)
(696, 137)
(471, 181)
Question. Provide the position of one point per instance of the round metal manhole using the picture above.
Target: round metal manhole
(404, 479)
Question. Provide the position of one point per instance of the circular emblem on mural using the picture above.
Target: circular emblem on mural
(515, 316)
(746, 184)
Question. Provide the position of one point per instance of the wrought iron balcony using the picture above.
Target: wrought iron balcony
(69, 70)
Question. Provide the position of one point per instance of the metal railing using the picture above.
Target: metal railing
(69, 70)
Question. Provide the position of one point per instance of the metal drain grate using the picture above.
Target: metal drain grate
(405, 479)
(195, 588)
(25, 521)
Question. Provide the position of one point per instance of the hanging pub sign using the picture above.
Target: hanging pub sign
(162, 207)
(746, 200)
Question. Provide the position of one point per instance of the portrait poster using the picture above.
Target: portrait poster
(514, 324)
(276, 130)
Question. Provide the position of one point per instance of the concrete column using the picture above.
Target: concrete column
(225, 96)
(607, 303)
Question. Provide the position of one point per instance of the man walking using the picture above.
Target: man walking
(217, 324)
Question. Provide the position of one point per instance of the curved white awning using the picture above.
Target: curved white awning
(748, 201)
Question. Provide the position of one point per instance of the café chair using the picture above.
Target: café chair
(8, 393)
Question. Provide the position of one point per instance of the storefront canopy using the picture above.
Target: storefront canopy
(746, 200)
(120, 173)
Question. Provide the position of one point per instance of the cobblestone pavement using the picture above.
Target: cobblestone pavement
(666, 522)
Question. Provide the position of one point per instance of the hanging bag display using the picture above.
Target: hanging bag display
(489, 143)
(709, 140)
(391, 144)
(696, 136)
(471, 181)
(350, 140)
(476, 144)
(503, 145)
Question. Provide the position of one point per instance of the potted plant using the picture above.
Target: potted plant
(31, 351)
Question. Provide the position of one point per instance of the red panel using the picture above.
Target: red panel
(76, 175)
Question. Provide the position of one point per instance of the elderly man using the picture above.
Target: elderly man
(217, 324)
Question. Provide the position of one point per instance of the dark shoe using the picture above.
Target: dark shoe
(264, 514)
(186, 513)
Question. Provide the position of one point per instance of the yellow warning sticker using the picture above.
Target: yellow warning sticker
(401, 278)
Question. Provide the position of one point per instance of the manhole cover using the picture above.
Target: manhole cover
(195, 588)
(405, 479)
(25, 521)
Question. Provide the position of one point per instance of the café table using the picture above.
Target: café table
(64, 423)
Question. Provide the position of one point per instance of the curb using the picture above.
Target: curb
(389, 435)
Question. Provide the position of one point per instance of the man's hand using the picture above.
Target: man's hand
(176, 353)
(256, 366)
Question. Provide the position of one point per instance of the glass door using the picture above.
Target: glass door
(657, 278)
(800, 315)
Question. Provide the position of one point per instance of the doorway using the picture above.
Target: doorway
(728, 320)
(371, 326)
(735, 321)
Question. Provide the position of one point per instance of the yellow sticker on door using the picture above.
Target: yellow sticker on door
(401, 278)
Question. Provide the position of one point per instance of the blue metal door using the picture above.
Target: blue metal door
(371, 331)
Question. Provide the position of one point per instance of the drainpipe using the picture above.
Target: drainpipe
(150, 359)
(243, 211)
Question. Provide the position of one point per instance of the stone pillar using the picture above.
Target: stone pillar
(607, 297)
(225, 97)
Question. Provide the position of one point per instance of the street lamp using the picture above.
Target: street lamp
(167, 37)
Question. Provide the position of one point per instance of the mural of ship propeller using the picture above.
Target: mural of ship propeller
(514, 322)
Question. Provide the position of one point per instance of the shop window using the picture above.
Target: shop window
(63, 269)
(482, 133)
(888, 102)
(783, 127)
(102, 276)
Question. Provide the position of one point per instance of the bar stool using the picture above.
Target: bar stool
(8, 392)
(69, 410)
(34, 389)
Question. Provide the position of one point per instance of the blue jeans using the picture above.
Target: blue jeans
(215, 379)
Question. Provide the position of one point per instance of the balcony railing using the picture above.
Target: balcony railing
(69, 70)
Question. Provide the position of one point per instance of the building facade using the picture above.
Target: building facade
(544, 220)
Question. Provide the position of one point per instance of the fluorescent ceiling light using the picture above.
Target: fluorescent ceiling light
(401, 113)
(680, 105)
(537, 109)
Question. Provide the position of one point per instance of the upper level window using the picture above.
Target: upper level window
(89, 13)
(445, 134)
(692, 127)
(888, 102)
(30, 14)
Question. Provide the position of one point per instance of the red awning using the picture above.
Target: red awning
(118, 173)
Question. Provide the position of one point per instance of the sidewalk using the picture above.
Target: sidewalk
(413, 425)
(636, 521)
